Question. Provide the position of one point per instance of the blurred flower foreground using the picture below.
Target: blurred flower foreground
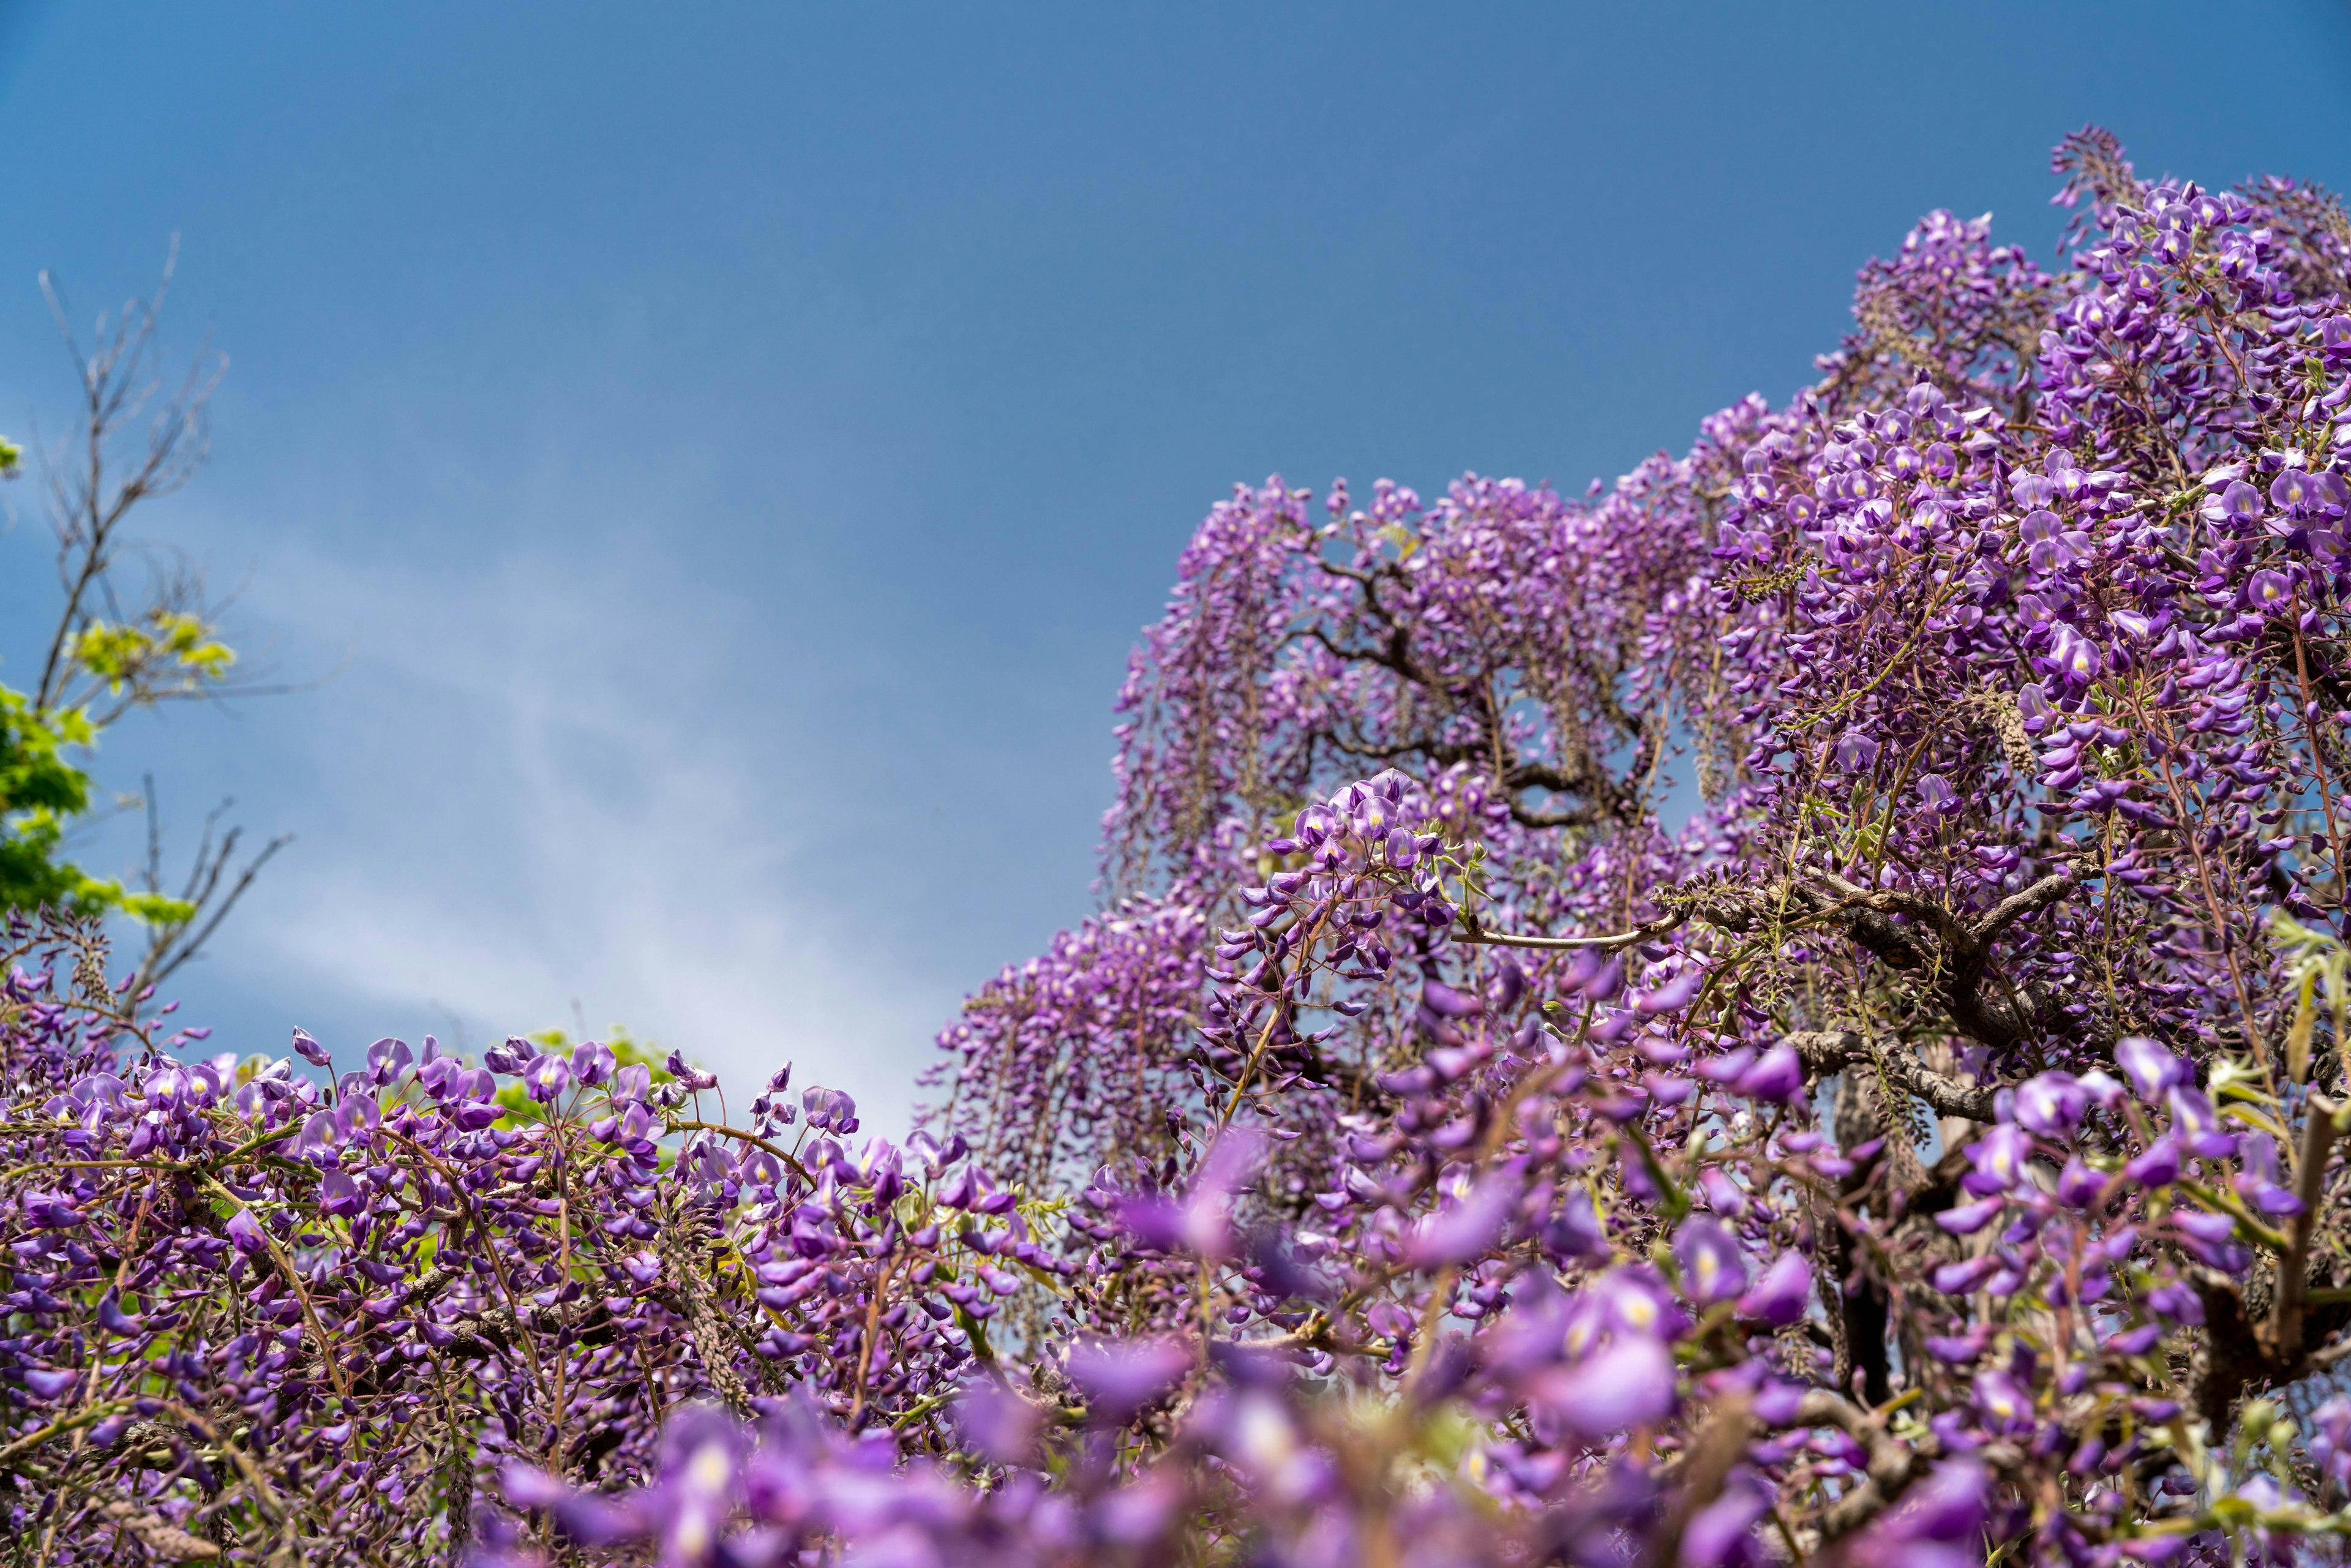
(1792, 1010)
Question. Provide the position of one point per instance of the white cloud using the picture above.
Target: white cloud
(535, 813)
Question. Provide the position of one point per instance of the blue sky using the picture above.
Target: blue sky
(722, 455)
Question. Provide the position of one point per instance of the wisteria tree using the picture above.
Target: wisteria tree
(1793, 1010)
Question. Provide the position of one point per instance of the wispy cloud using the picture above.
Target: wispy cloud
(542, 824)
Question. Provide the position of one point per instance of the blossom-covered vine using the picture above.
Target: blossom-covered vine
(1792, 1009)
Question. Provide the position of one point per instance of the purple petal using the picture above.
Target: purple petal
(1629, 1383)
(1712, 1269)
(246, 1232)
(2150, 1069)
(1778, 1076)
(1673, 996)
(1120, 1377)
(1446, 1002)
(1462, 1230)
(1780, 1297)
(50, 1385)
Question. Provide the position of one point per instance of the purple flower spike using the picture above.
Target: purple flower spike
(1291, 1158)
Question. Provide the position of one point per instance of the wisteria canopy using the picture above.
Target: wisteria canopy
(1793, 1008)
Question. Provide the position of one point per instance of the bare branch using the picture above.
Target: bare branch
(2017, 906)
(1892, 1466)
(89, 498)
(1470, 931)
(172, 946)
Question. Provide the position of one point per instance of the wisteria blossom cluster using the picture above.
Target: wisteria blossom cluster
(256, 1313)
(1793, 1008)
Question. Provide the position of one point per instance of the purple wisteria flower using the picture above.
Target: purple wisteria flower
(1787, 1008)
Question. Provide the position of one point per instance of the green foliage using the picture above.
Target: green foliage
(173, 652)
(2314, 960)
(40, 793)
